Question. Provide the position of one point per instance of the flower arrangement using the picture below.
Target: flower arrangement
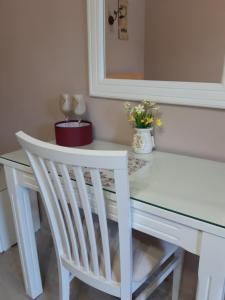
(144, 115)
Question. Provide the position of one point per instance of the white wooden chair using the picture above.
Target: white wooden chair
(102, 253)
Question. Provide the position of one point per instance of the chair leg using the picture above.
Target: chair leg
(177, 273)
(64, 283)
(126, 296)
(126, 293)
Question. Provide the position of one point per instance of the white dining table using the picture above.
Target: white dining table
(176, 198)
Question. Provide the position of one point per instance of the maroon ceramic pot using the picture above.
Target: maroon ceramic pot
(72, 133)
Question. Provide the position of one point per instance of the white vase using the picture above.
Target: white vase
(143, 141)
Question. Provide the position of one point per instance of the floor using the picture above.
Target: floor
(11, 282)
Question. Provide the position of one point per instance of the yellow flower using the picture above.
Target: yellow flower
(158, 122)
(149, 120)
(130, 118)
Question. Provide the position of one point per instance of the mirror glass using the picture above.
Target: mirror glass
(173, 40)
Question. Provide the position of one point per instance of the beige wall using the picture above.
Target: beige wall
(185, 40)
(43, 52)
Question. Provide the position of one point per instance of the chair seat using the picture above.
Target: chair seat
(148, 253)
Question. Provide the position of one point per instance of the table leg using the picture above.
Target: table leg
(21, 207)
(211, 274)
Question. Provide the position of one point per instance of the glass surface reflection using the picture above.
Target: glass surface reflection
(167, 40)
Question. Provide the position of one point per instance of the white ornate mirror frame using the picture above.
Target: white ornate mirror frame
(171, 92)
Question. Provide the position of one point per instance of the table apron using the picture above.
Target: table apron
(142, 220)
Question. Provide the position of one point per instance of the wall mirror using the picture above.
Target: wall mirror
(170, 51)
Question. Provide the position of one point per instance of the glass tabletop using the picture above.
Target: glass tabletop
(185, 185)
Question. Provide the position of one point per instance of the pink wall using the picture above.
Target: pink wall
(43, 52)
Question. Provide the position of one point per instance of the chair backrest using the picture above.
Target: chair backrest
(68, 210)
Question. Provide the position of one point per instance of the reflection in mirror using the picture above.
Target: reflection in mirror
(174, 40)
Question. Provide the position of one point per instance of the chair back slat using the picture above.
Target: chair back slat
(63, 201)
(51, 204)
(76, 215)
(57, 209)
(101, 209)
(82, 188)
